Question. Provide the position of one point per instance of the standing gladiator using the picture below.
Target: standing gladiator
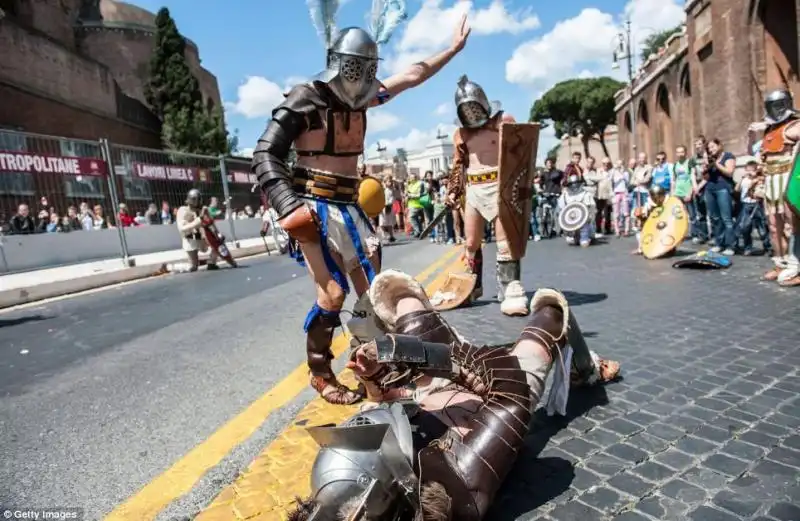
(317, 200)
(779, 151)
(443, 454)
(475, 170)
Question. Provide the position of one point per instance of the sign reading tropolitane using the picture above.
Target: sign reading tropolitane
(169, 172)
(42, 164)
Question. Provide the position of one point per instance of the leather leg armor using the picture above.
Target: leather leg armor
(318, 343)
(475, 263)
(507, 271)
(472, 468)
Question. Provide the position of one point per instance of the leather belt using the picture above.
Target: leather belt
(482, 177)
(778, 168)
(325, 185)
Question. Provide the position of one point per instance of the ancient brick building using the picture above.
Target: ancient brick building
(77, 68)
(712, 78)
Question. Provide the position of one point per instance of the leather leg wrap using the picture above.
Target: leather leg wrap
(475, 264)
(506, 272)
(318, 342)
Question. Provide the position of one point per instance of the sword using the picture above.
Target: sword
(436, 220)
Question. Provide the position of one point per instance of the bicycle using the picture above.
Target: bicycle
(547, 220)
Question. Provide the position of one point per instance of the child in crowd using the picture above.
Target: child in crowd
(656, 197)
(751, 214)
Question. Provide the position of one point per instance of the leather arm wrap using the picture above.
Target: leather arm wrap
(457, 180)
(411, 351)
(269, 160)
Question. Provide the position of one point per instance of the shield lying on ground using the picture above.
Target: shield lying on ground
(519, 143)
(573, 216)
(704, 260)
(456, 290)
(665, 229)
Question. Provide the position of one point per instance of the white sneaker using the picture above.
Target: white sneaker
(728, 252)
(716, 249)
(585, 244)
(515, 301)
(537, 238)
(598, 235)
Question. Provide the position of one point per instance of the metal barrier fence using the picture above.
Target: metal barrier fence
(105, 195)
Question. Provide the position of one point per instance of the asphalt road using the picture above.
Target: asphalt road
(101, 392)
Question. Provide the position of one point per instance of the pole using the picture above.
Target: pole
(226, 193)
(629, 54)
(105, 148)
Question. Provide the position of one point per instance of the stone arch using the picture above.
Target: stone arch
(643, 141)
(684, 105)
(781, 51)
(663, 130)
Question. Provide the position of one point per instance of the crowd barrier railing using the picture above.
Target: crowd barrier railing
(66, 201)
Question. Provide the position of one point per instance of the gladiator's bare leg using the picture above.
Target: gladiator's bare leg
(791, 276)
(779, 243)
(320, 328)
(474, 225)
(510, 292)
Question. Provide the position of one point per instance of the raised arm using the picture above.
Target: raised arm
(417, 73)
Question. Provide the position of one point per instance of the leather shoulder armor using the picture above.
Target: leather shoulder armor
(305, 100)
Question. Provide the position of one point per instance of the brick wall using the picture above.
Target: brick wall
(54, 18)
(728, 72)
(25, 111)
(47, 66)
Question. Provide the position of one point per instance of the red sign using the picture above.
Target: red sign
(242, 178)
(170, 172)
(41, 164)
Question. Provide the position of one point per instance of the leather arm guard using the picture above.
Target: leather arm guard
(269, 160)
(403, 357)
(457, 179)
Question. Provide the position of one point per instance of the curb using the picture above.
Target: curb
(18, 296)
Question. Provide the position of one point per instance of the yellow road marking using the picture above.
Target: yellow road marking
(267, 489)
(182, 476)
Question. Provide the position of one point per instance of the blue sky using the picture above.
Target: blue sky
(517, 50)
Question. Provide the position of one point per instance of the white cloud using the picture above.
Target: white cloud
(443, 109)
(582, 45)
(431, 29)
(379, 120)
(245, 152)
(416, 139)
(257, 96)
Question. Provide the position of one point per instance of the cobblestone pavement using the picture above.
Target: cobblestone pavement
(704, 426)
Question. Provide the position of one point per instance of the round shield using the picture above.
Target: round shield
(370, 196)
(665, 228)
(573, 216)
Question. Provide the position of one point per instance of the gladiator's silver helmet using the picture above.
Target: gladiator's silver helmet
(351, 68)
(194, 198)
(778, 106)
(472, 105)
(364, 468)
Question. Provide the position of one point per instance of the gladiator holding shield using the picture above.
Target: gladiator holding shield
(493, 164)
(317, 199)
(444, 453)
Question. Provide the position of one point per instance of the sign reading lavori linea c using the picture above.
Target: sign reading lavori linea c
(42, 164)
(170, 172)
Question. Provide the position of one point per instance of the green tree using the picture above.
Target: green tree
(579, 107)
(233, 143)
(174, 96)
(401, 155)
(655, 41)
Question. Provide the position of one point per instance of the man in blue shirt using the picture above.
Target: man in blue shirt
(662, 173)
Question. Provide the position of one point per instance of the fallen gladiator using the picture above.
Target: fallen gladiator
(451, 416)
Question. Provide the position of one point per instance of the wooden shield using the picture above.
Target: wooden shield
(456, 290)
(665, 229)
(793, 187)
(519, 143)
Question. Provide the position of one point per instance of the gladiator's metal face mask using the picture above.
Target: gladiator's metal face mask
(364, 468)
(778, 106)
(472, 106)
(194, 198)
(352, 68)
